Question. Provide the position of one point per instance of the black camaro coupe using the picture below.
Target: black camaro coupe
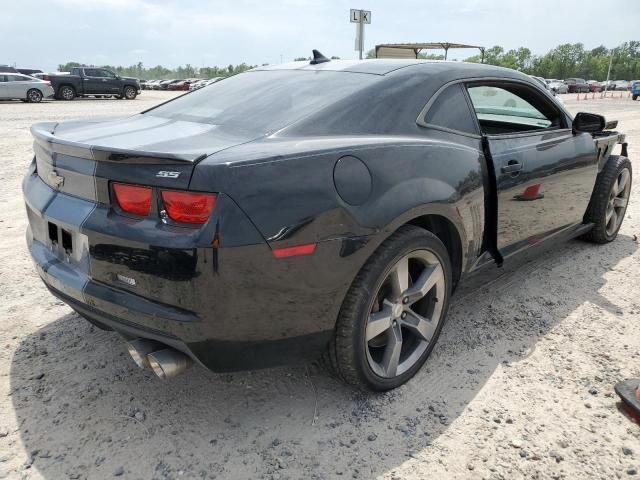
(314, 209)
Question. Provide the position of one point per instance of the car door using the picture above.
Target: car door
(4, 87)
(93, 81)
(17, 85)
(544, 172)
(110, 83)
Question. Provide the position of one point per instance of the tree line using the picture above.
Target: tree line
(565, 61)
(160, 72)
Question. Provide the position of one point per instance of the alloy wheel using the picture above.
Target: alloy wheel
(405, 314)
(618, 199)
(67, 93)
(130, 93)
(35, 96)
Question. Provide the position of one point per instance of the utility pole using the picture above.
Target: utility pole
(606, 84)
(360, 18)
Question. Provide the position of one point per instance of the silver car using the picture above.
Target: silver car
(23, 87)
(558, 87)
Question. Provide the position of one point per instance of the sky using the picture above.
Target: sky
(209, 33)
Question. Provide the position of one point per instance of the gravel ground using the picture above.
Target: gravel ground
(519, 386)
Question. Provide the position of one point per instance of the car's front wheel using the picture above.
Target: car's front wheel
(609, 200)
(393, 313)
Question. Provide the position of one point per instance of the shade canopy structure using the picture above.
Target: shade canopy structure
(411, 50)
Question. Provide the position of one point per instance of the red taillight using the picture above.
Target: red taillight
(133, 198)
(187, 207)
(296, 251)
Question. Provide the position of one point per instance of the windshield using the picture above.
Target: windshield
(263, 101)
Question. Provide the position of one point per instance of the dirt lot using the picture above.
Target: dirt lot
(519, 386)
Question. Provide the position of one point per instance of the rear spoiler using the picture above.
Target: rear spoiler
(43, 134)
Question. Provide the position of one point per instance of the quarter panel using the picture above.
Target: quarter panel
(292, 198)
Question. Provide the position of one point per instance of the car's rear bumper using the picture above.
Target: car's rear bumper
(229, 303)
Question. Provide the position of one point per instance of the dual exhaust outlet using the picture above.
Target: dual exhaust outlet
(165, 362)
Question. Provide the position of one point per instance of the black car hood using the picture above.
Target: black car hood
(143, 135)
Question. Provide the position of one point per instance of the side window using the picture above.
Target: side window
(3, 78)
(451, 110)
(512, 108)
(107, 74)
(15, 78)
(92, 72)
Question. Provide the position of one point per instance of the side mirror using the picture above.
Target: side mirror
(588, 122)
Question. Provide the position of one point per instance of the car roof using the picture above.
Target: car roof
(379, 66)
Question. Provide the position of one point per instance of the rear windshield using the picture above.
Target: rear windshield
(263, 101)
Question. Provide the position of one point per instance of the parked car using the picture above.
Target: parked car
(164, 85)
(85, 81)
(28, 71)
(152, 84)
(143, 84)
(594, 86)
(16, 86)
(317, 209)
(179, 85)
(621, 85)
(635, 90)
(577, 85)
(197, 84)
(559, 87)
(8, 69)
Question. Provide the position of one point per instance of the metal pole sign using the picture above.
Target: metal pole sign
(360, 17)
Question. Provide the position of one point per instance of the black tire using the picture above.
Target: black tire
(34, 96)
(347, 355)
(601, 201)
(66, 92)
(634, 97)
(129, 93)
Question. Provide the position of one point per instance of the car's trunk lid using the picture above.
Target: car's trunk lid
(81, 158)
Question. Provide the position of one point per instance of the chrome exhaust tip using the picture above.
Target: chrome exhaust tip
(139, 348)
(168, 363)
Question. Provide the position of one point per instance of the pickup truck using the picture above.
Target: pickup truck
(323, 209)
(97, 82)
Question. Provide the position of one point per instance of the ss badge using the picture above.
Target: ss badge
(167, 174)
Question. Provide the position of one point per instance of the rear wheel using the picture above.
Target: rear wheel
(609, 200)
(635, 97)
(394, 311)
(130, 93)
(34, 95)
(66, 93)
